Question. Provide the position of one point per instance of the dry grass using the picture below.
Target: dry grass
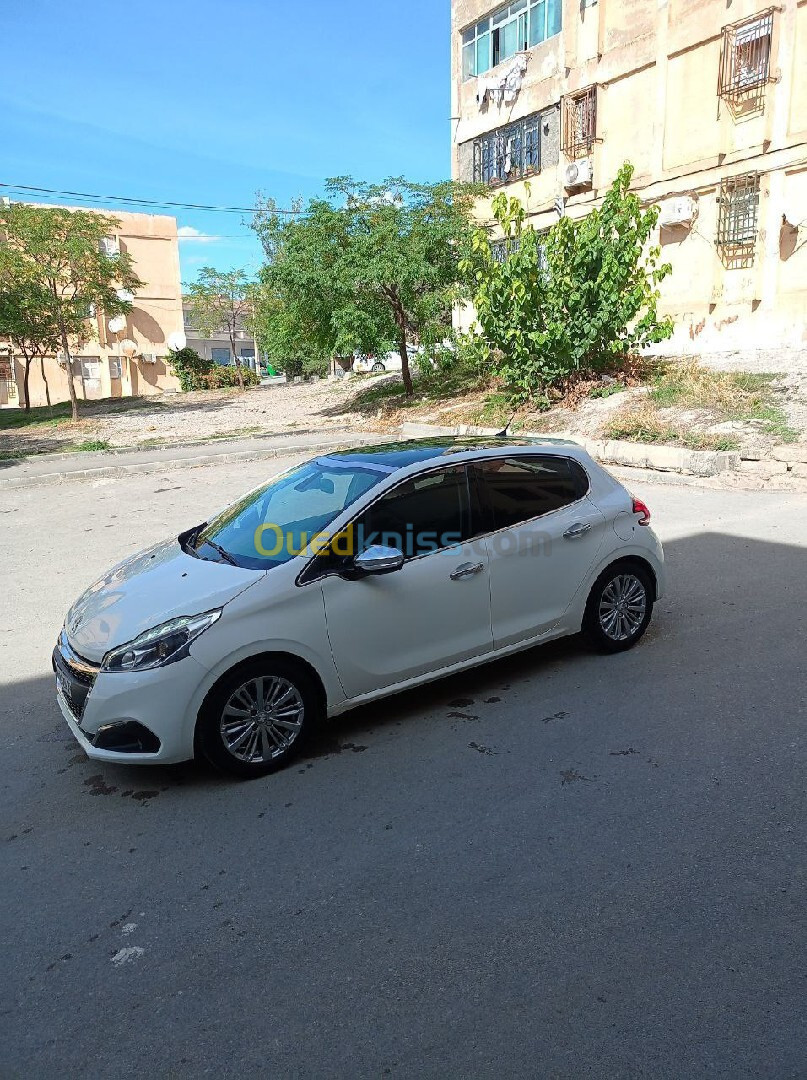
(643, 424)
(707, 398)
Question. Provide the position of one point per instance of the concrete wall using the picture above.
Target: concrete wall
(151, 240)
(655, 64)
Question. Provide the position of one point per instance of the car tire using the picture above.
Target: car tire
(377, 367)
(253, 711)
(619, 607)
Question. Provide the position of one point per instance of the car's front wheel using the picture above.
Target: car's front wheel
(619, 607)
(377, 367)
(258, 717)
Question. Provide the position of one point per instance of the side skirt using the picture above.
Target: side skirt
(558, 631)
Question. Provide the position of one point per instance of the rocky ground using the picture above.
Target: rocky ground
(606, 410)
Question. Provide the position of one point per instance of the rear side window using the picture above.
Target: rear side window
(520, 488)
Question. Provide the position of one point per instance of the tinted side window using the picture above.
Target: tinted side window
(421, 515)
(522, 488)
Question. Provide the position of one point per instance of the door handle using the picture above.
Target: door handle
(577, 530)
(467, 569)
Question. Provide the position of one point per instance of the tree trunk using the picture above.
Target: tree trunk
(70, 384)
(66, 349)
(406, 374)
(44, 379)
(237, 359)
(26, 375)
(400, 321)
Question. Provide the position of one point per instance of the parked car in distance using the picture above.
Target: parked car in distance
(347, 578)
(375, 365)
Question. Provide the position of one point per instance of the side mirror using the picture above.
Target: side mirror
(378, 560)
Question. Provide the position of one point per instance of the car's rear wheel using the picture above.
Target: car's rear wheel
(619, 607)
(258, 717)
(378, 367)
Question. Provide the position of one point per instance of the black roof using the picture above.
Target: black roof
(397, 455)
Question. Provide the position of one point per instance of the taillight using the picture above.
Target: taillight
(640, 508)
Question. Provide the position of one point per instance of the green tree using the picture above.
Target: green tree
(26, 317)
(55, 256)
(575, 301)
(370, 266)
(223, 301)
(287, 338)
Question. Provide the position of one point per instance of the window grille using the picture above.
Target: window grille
(745, 60)
(580, 122)
(738, 214)
(508, 153)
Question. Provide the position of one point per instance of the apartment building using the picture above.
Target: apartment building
(125, 357)
(707, 99)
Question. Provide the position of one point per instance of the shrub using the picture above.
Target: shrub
(573, 303)
(220, 378)
(189, 367)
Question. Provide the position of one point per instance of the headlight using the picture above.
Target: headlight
(163, 645)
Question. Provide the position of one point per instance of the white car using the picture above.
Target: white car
(390, 361)
(344, 579)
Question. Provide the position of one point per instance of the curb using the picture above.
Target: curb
(170, 464)
(787, 464)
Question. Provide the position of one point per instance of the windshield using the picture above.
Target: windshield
(273, 524)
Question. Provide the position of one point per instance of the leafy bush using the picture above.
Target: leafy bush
(572, 303)
(189, 367)
(197, 373)
(220, 378)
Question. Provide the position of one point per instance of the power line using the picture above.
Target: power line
(21, 189)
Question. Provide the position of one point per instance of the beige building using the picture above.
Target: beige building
(131, 361)
(707, 99)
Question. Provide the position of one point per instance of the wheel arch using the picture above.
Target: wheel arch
(265, 654)
(630, 560)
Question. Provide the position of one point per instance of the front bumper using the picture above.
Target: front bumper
(131, 718)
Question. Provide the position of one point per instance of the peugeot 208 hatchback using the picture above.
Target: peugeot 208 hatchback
(342, 580)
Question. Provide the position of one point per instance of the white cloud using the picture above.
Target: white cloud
(188, 233)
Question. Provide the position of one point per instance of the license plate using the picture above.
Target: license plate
(64, 688)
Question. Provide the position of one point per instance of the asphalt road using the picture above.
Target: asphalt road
(560, 865)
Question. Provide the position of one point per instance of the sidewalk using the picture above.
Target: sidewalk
(55, 468)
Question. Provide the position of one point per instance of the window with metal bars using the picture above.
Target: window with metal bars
(502, 249)
(745, 60)
(579, 122)
(738, 213)
(508, 153)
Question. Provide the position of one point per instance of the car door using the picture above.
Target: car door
(545, 537)
(434, 611)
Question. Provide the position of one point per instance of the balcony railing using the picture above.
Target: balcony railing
(508, 153)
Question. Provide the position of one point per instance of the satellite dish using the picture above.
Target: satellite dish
(177, 340)
(125, 296)
(117, 324)
(128, 347)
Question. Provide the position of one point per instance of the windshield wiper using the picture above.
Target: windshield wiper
(224, 554)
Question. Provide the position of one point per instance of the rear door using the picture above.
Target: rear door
(433, 612)
(545, 537)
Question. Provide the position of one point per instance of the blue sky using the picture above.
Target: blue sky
(206, 102)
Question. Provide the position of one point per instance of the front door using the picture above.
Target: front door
(546, 537)
(432, 613)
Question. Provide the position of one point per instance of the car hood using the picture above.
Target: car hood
(158, 584)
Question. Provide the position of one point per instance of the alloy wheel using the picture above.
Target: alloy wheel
(623, 605)
(262, 719)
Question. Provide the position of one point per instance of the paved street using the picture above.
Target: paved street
(560, 865)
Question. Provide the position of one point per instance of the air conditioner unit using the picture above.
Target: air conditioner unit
(109, 246)
(578, 174)
(679, 211)
(150, 358)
